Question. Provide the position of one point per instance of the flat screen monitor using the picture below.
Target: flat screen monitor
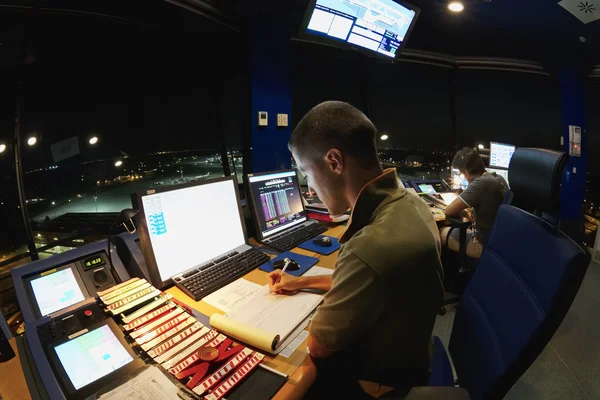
(277, 201)
(427, 189)
(430, 186)
(502, 172)
(186, 226)
(501, 154)
(379, 27)
(92, 356)
(57, 289)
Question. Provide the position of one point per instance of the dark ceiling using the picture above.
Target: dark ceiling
(537, 30)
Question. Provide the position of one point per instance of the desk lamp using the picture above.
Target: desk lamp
(124, 217)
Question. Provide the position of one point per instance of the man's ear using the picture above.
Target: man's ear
(335, 161)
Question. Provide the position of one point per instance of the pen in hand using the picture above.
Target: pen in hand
(287, 262)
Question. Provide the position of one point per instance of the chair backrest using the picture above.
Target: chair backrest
(535, 177)
(524, 285)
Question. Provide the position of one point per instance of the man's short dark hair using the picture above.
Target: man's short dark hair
(468, 160)
(336, 125)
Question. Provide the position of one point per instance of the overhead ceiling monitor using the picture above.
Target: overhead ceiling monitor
(501, 154)
(379, 27)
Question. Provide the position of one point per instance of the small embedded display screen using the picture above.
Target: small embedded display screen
(92, 262)
(427, 189)
(56, 290)
(92, 356)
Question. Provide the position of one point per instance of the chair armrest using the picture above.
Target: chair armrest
(459, 223)
(437, 393)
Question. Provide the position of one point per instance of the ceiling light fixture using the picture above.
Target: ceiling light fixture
(456, 6)
(384, 137)
(93, 140)
(2, 148)
(32, 140)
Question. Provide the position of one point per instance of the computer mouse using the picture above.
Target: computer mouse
(293, 266)
(323, 241)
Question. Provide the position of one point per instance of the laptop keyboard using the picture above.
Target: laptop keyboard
(295, 237)
(212, 276)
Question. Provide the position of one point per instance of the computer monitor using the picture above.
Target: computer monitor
(502, 172)
(379, 27)
(187, 225)
(430, 186)
(56, 289)
(92, 356)
(277, 201)
(501, 154)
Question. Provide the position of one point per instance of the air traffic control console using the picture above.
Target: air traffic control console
(92, 331)
(57, 297)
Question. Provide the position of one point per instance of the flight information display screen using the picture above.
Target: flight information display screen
(277, 201)
(92, 356)
(56, 290)
(377, 25)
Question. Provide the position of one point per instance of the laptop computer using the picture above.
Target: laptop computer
(278, 210)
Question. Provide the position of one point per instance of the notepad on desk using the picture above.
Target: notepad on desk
(270, 321)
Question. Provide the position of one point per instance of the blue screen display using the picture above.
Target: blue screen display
(377, 25)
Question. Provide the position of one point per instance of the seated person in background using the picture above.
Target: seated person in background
(381, 303)
(484, 195)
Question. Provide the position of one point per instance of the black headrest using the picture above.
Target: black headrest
(535, 177)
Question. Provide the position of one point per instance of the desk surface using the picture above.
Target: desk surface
(12, 381)
(299, 367)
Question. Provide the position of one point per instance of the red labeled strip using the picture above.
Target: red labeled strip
(151, 335)
(220, 391)
(213, 379)
(148, 317)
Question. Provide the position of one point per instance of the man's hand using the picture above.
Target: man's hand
(288, 284)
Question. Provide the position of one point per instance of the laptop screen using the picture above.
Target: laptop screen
(277, 201)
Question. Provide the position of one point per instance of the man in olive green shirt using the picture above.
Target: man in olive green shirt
(377, 317)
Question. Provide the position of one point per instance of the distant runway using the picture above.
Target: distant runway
(114, 199)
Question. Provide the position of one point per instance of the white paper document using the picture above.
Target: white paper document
(294, 344)
(449, 197)
(318, 271)
(277, 313)
(151, 384)
(233, 296)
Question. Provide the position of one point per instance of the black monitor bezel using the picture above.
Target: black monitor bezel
(304, 35)
(250, 199)
(88, 390)
(142, 226)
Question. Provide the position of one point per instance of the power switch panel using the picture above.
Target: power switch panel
(282, 120)
(575, 141)
(263, 118)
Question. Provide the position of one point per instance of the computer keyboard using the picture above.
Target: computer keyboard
(295, 237)
(212, 276)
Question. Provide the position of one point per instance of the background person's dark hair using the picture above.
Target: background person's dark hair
(336, 125)
(468, 160)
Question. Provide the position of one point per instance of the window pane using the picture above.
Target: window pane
(120, 112)
(508, 107)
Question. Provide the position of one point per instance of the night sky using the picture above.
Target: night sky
(150, 88)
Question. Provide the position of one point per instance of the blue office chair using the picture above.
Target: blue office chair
(524, 285)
